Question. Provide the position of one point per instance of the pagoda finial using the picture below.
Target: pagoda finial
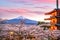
(57, 4)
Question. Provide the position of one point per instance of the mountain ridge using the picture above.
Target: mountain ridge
(19, 19)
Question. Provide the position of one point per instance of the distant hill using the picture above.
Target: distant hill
(21, 19)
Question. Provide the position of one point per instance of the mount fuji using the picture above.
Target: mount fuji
(21, 19)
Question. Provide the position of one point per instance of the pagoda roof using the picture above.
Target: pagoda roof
(51, 17)
(52, 11)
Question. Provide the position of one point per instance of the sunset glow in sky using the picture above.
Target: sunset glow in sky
(31, 9)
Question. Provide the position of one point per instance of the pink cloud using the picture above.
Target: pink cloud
(34, 1)
(44, 1)
(23, 12)
(19, 11)
(44, 7)
(13, 10)
(19, 1)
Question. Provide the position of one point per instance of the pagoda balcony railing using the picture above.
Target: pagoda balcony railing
(57, 16)
(47, 19)
(53, 24)
(57, 24)
(54, 16)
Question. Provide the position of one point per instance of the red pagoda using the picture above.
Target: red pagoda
(54, 18)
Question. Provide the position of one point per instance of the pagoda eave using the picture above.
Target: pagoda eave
(49, 13)
(57, 24)
(47, 19)
(57, 16)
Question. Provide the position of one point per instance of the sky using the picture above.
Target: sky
(31, 9)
